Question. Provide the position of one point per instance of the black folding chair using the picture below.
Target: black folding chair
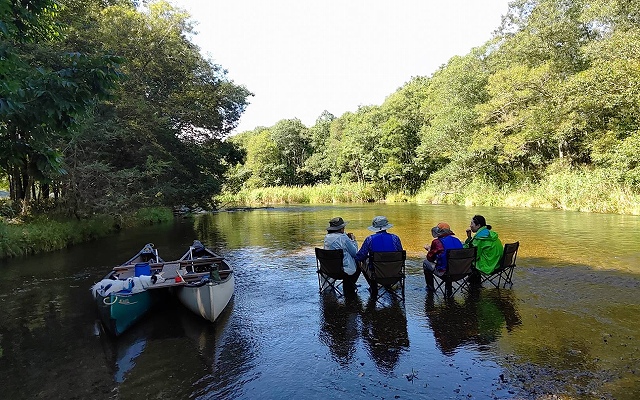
(330, 270)
(459, 268)
(387, 274)
(504, 271)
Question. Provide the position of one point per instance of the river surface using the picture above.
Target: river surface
(568, 328)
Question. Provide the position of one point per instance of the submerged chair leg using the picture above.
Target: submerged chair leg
(448, 289)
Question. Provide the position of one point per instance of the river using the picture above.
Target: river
(569, 326)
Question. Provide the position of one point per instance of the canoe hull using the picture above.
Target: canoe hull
(118, 311)
(209, 299)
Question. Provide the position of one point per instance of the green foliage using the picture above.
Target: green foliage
(319, 165)
(318, 194)
(152, 215)
(45, 89)
(8, 209)
(575, 189)
(74, 131)
(450, 117)
(44, 234)
(160, 143)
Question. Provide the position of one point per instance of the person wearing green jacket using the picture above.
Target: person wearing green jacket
(487, 242)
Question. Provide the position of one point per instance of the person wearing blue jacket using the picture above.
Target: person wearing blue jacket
(381, 240)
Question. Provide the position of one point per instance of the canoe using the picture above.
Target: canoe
(121, 296)
(209, 295)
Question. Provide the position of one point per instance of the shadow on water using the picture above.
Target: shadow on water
(384, 332)
(340, 326)
(478, 319)
(348, 322)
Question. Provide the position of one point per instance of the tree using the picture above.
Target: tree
(323, 147)
(601, 108)
(449, 113)
(291, 138)
(400, 136)
(160, 142)
(45, 89)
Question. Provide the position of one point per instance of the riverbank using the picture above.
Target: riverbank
(43, 234)
(580, 190)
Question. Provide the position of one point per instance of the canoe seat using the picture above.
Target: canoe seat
(170, 270)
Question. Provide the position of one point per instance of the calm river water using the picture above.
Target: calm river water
(570, 326)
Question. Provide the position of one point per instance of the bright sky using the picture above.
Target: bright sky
(301, 57)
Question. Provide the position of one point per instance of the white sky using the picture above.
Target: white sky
(301, 57)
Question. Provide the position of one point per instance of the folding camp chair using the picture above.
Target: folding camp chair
(504, 271)
(387, 273)
(330, 270)
(459, 268)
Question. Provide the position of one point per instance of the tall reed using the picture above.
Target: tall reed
(318, 194)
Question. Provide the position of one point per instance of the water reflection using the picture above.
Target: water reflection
(384, 332)
(156, 344)
(478, 319)
(339, 325)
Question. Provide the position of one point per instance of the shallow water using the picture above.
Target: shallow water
(569, 326)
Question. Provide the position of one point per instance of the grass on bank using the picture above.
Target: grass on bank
(44, 234)
(318, 194)
(575, 190)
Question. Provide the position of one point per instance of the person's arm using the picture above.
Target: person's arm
(397, 243)
(363, 253)
(436, 248)
(469, 242)
(351, 246)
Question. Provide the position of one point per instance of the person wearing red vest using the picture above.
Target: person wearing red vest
(436, 261)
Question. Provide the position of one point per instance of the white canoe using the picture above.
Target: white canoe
(209, 296)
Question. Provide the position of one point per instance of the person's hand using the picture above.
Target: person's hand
(351, 236)
(469, 232)
(427, 247)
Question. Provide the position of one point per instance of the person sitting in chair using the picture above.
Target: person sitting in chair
(336, 239)
(489, 245)
(436, 262)
(381, 240)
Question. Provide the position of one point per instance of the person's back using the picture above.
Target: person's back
(384, 241)
(381, 240)
(336, 239)
(436, 259)
(448, 242)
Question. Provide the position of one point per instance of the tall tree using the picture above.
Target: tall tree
(45, 89)
(161, 141)
(292, 139)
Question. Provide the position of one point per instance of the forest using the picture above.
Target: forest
(108, 106)
(545, 114)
